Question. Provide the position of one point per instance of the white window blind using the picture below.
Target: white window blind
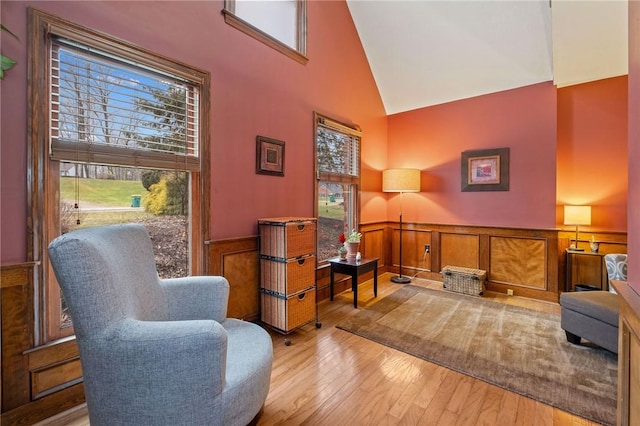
(338, 149)
(109, 110)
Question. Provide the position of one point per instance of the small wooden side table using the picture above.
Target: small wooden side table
(355, 268)
(573, 261)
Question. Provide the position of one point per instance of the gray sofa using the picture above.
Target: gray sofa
(156, 352)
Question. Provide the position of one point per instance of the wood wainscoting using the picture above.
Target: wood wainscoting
(523, 260)
(37, 382)
(530, 262)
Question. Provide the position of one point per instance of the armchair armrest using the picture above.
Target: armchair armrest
(199, 297)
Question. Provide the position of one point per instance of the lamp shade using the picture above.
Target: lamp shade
(577, 215)
(401, 180)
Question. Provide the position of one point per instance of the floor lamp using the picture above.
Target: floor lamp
(401, 180)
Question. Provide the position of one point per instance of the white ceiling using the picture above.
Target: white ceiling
(428, 52)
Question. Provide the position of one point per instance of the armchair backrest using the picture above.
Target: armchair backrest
(106, 274)
(616, 267)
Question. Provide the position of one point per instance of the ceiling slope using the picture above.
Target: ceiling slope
(426, 52)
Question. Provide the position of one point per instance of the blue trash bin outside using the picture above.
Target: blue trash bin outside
(135, 200)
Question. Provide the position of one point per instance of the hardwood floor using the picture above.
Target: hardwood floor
(331, 377)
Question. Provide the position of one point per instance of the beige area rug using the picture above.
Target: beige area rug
(518, 349)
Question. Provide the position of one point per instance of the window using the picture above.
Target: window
(118, 134)
(338, 180)
(280, 24)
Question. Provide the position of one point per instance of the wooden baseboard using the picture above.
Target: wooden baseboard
(66, 417)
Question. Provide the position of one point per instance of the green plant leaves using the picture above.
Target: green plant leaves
(6, 63)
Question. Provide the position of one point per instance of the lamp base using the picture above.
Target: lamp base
(399, 279)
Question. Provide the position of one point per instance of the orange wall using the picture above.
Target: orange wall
(432, 139)
(567, 146)
(592, 151)
(255, 91)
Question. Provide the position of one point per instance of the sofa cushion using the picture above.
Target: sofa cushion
(600, 305)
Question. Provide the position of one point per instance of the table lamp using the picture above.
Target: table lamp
(401, 180)
(577, 215)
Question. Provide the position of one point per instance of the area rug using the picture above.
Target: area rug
(518, 349)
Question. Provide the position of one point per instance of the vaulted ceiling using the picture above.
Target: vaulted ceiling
(427, 52)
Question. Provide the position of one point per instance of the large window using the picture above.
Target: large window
(280, 24)
(118, 134)
(338, 180)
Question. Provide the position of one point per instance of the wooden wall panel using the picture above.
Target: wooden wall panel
(16, 308)
(634, 379)
(55, 366)
(518, 261)
(628, 355)
(413, 242)
(237, 260)
(459, 250)
(373, 246)
(47, 380)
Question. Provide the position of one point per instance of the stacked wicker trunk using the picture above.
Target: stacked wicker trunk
(287, 272)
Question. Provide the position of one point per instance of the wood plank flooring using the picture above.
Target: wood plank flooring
(331, 377)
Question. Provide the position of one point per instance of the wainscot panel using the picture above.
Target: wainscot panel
(237, 260)
(37, 382)
(519, 261)
(460, 249)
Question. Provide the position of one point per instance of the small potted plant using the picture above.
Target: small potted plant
(352, 244)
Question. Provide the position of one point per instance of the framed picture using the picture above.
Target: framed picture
(485, 170)
(269, 156)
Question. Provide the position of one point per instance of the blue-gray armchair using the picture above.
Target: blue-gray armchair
(153, 351)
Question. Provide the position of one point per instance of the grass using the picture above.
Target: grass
(102, 192)
(331, 210)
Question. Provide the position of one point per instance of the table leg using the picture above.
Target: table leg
(331, 287)
(567, 273)
(354, 287)
(375, 281)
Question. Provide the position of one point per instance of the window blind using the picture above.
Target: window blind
(109, 110)
(338, 149)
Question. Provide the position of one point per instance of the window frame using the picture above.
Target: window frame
(44, 173)
(298, 54)
(353, 131)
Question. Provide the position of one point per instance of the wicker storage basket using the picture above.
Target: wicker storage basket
(288, 312)
(464, 280)
(288, 277)
(285, 237)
